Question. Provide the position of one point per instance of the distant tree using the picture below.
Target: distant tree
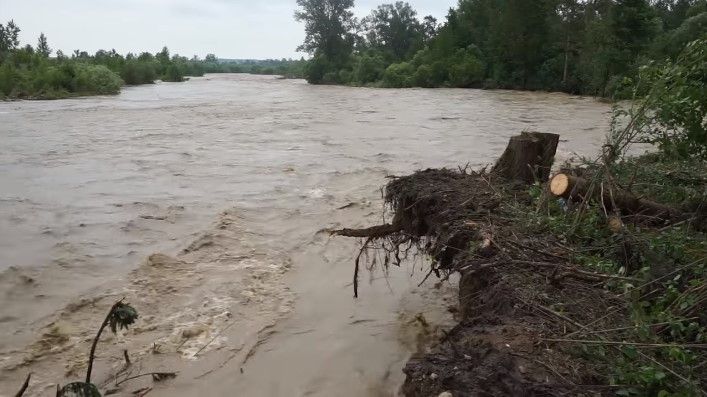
(395, 29)
(60, 55)
(429, 27)
(328, 29)
(163, 56)
(43, 48)
(9, 38)
(211, 58)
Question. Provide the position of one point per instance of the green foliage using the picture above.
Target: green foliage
(394, 31)
(329, 36)
(79, 389)
(369, 68)
(173, 73)
(43, 46)
(135, 72)
(32, 74)
(671, 110)
(669, 311)
(399, 75)
(568, 45)
(96, 79)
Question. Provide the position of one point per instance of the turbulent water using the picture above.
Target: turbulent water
(205, 204)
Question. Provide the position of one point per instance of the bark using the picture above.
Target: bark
(371, 232)
(528, 157)
(577, 189)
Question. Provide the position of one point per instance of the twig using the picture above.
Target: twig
(636, 344)
(92, 355)
(161, 374)
(214, 338)
(24, 387)
(356, 267)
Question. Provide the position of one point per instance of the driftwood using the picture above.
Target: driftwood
(528, 157)
(575, 188)
(373, 232)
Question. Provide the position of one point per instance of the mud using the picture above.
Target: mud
(516, 291)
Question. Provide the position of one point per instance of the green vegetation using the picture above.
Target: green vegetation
(31, 73)
(282, 67)
(668, 311)
(587, 47)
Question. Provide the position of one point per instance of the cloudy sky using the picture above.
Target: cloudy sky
(229, 28)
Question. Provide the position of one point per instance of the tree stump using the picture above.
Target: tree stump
(528, 157)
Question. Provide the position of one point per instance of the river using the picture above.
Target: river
(206, 204)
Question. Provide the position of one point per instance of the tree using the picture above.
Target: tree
(429, 27)
(43, 47)
(395, 29)
(211, 58)
(328, 29)
(9, 38)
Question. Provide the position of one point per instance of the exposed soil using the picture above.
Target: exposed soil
(519, 293)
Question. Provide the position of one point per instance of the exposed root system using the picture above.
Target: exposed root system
(527, 312)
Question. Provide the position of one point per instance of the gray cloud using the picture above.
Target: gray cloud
(228, 28)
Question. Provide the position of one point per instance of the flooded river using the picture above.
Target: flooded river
(205, 204)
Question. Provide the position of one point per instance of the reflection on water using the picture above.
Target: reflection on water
(232, 177)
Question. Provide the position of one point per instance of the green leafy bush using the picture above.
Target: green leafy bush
(96, 79)
(399, 75)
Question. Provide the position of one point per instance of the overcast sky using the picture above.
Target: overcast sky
(229, 28)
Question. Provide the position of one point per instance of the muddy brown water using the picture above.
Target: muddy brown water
(205, 204)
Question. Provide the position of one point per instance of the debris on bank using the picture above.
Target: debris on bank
(565, 290)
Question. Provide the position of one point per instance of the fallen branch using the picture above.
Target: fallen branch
(371, 232)
(568, 271)
(24, 387)
(636, 344)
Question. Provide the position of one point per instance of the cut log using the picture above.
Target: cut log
(528, 157)
(577, 189)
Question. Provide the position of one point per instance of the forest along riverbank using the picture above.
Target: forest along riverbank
(196, 200)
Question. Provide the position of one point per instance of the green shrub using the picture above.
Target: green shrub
(423, 76)
(96, 79)
(466, 69)
(369, 68)
(137, 72)
(399, 75)
(173, 74)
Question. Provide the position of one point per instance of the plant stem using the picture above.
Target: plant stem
(95, 340)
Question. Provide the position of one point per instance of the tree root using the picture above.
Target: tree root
(371, 232)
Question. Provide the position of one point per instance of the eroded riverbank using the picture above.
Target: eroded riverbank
(246, 170)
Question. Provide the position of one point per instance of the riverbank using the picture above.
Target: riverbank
(560, 296)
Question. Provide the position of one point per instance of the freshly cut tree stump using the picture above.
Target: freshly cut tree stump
(577, 189)
(528, 157)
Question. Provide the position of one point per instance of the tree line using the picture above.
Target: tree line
(36, 72)
(593, 47)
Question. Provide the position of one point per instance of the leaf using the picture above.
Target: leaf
(123, 315)
(659, 375)
(79, 389)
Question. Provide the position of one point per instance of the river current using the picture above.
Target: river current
(206, 205)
